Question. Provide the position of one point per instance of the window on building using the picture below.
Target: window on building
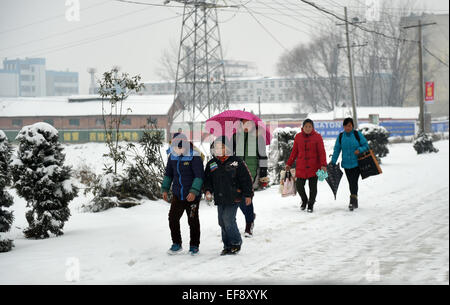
(151, 121)
(17, 122)
(126, 121)
(272, 84)
(49, 121)
(272, 97)
(99, 122)
(74, 122)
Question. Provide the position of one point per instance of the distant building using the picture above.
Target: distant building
(61, 83)
(435, 39)
(9, 83)
(29, 78)
(80, 119)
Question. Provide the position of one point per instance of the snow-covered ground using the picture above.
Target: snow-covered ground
(400, 234)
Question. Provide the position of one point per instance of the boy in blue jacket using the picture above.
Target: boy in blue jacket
(184, 172)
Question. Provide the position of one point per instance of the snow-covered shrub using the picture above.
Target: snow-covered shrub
(378, 138)
(280, 150)
(424, 144)
(41, 178)
(6, 200)
(146, 173)
(141, 179)
(106, 193)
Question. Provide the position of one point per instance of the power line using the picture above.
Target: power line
(266, 30)
(437, 58)
(147, 3)
(357, 25)
(97, 38)
(48, 19)
(73, 30)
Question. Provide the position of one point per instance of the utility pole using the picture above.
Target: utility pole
(350, 65)
(421, 77)
(259, 106)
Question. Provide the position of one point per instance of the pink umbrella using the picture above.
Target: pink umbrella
(226, 123)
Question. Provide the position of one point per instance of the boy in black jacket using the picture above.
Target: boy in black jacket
(228, 178)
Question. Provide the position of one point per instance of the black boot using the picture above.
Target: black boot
(249, 230)
(353, 202)
(310, 207)
(303, 207)
(235, 249)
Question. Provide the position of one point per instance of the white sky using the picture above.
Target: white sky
(102, 37)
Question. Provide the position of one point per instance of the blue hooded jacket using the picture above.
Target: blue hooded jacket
(184, 173)
(348, 147)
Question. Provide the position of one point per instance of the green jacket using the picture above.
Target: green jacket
(246, 147)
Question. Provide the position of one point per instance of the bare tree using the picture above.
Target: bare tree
(316, 68)
(386, 65)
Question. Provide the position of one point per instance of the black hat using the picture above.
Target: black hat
(308, 121)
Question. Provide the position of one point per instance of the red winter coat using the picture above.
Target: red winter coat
(310, 154)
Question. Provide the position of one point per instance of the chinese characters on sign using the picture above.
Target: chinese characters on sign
(429, 92)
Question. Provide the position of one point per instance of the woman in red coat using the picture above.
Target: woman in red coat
(309, 152)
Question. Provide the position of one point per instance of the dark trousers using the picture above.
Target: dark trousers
(353, 177)
(248, 211)
(300, 183)
(176, 212)
(227, 221)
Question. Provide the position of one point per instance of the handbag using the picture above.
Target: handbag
(368, 164)
(289, 186)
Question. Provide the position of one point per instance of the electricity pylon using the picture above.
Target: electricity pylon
(200, 82)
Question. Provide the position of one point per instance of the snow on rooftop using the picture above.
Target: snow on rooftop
(84, 105)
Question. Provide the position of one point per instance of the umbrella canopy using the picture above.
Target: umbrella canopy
(334, 177)
(218, 126)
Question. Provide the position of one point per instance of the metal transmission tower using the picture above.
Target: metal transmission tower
(200, 80)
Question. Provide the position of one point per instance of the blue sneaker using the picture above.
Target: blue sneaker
(175, 249)
(193, 250)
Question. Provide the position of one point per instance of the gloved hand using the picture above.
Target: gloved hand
(322, 175)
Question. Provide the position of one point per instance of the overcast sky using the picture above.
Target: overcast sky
(134, 36)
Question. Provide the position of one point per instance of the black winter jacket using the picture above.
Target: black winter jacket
(230, 181)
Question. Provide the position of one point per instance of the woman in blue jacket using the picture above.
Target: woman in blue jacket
(351, 142)
(184, 172)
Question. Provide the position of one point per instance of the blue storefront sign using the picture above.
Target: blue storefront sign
(328, 129)
(400, 128)
(440, 126)
(331, 129)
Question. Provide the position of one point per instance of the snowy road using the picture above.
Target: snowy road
(400, 234)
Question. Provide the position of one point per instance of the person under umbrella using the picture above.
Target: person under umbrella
(249, 143)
